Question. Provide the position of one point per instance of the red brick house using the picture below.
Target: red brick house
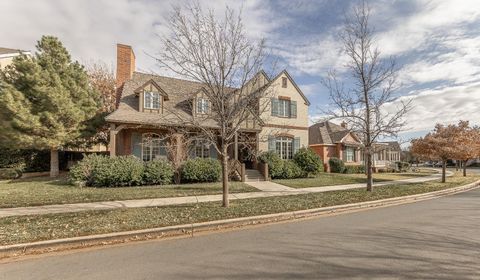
(330, 140)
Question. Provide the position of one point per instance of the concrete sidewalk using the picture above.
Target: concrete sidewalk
(273, 190)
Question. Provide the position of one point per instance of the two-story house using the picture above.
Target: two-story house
(151, 106)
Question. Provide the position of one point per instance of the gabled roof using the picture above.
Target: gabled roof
(155, 85)
(392, 145)
(329, 133)
(8, 51)
(178, 107)
(307, 102)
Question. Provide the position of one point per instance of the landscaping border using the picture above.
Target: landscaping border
(189, 229)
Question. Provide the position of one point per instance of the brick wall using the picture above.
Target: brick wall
(125, 66)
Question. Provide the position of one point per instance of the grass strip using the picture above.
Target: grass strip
(333, 179)
(53, 226)
(45, 191)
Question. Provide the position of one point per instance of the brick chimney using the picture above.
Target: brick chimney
(125, 67)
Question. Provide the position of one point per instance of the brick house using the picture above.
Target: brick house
(150, 105)
(330, 140)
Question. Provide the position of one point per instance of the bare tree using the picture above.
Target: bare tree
(218, 54)
(373, 82)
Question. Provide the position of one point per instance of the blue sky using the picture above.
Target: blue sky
(435, 42)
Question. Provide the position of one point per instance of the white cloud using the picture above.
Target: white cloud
(442, 105)
(315, 56)
(91, 28)
(434, 18)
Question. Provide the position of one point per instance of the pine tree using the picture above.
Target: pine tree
(46, 101)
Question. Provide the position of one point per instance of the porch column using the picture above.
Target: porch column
(113, 140)
(235, 147)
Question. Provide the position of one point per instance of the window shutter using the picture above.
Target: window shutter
(199, 105)
(293, 109)
(296, 145)
(344, 155)
(271, 143)
(274, 105)
(137, 145)
(213, 152)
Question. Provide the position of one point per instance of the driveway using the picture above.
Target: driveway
(434, 239)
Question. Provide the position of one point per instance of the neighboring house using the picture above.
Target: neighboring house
(7, 55)
(330, 140)
(386, 154)
(152, 106)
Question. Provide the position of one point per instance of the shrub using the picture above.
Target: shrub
(102, 171)
(354, 169)
(118, 171)
(308, 161)
(201, 170)
(336, 165)
(28, 160)
(83, 170)
(158, 172)
(402, 166)
(291, 170)
(9, 173)
(275, 163)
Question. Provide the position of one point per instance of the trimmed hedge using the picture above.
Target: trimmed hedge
(308, 161)
(354, 169)
(102, 171)
(336, 165)
(201, 170)
(275, 163)
(158, 172)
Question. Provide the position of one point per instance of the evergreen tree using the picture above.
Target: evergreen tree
(46, 101)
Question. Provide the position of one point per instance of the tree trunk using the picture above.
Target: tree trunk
(225, 176)
(444, 170)
(457, 165)
(464, 168)
(369, 172)
(54, 162)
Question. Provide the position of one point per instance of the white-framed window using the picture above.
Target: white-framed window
(153, 147)
(202, 148)
(202, 105)
(284, 147)
(350, 154)
(151, 100)
(283, 108)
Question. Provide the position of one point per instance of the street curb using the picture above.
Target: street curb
(190, 229)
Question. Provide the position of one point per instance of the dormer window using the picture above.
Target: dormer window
(151, 100)
(202, 105)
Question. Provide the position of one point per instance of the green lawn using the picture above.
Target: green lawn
(44, 191)
(331, 179)
(52, 226)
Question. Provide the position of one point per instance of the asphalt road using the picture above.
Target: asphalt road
(434, 239)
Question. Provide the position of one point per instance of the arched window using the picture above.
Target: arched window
(153, 147)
